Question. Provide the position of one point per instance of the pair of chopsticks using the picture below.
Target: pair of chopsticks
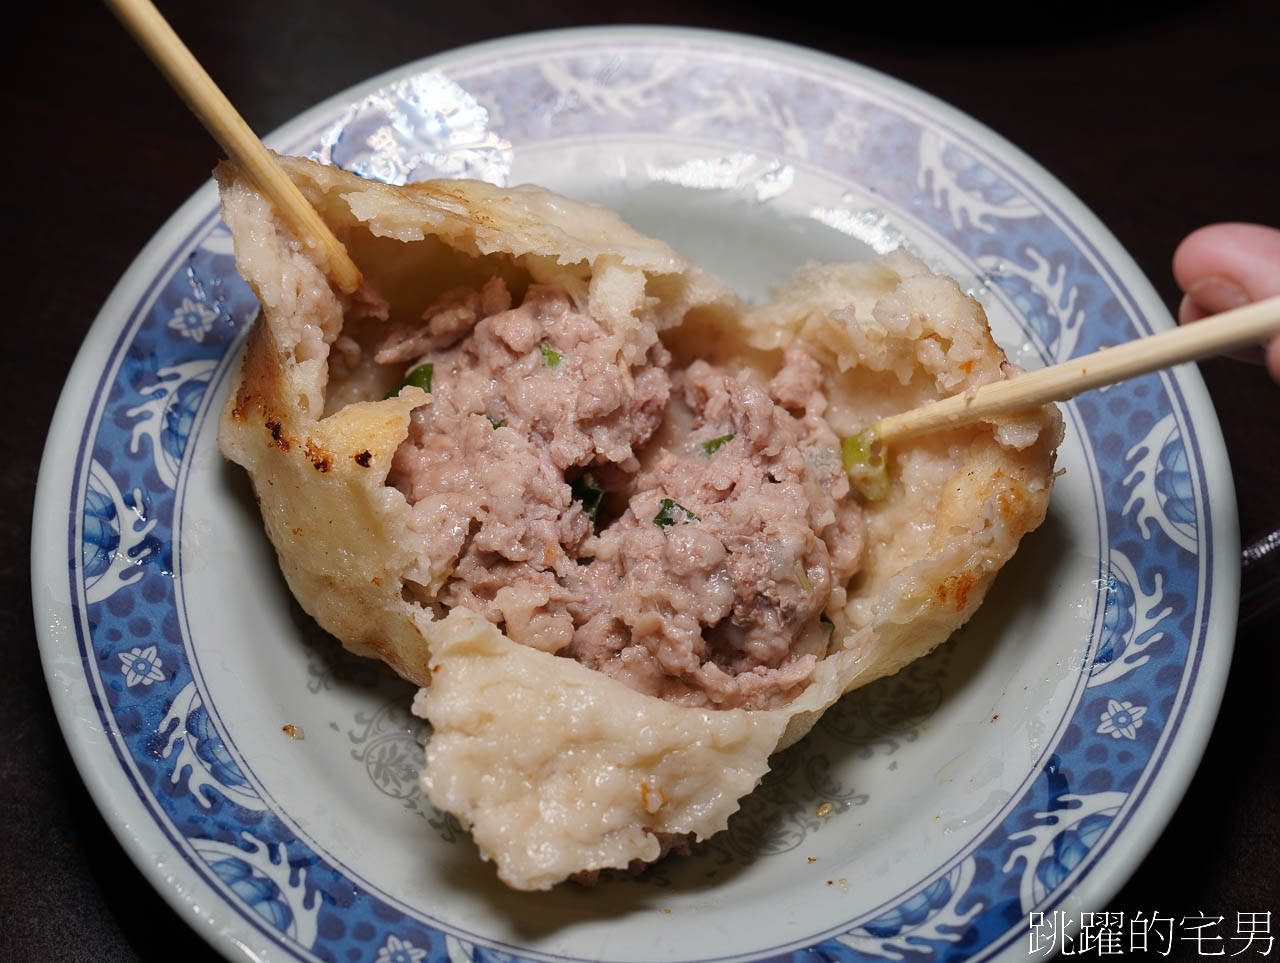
(1228, 331)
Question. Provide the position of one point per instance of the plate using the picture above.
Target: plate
(265, 781)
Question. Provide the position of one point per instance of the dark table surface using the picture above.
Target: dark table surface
(1158, 121)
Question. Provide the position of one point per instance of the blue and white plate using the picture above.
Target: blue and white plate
(1024, 768)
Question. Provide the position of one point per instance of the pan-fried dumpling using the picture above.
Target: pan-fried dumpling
(595, 507)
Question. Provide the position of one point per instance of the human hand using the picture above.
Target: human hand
(1223, 266)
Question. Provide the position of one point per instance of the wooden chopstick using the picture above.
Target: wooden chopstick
(1237, 328)
(210, 105)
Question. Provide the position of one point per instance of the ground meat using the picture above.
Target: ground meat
(708, 587)
(550, 373)
(530, 392)
(445, 322)
(498, 517)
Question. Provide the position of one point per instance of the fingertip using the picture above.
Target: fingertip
(1191, 253)
(1221, 265)
(1245, 254)
(1215, 294)
(1189, 311)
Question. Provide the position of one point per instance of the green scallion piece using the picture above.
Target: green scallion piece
(713, 446)
(497, 423)
(864, 461)
(550, 357)
(419, 377)
(673, 513)
(586, 491)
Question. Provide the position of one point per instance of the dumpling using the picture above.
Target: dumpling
(595, 506)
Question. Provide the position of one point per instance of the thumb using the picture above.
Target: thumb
(1223, 266)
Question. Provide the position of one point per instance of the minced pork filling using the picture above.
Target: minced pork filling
(682, 531)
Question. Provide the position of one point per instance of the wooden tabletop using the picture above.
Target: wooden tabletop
(1158, 122)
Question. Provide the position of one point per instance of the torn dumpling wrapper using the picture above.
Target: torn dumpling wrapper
(564, 480)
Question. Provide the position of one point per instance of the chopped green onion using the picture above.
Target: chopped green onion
(550, 357)
(586, 491)
(713, 446)
(863, 457)
(826, 620)
(419, 377)
(497, 423)
(673, 513)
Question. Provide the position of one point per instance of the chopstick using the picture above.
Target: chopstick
(1237, 328)
(211, 107)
